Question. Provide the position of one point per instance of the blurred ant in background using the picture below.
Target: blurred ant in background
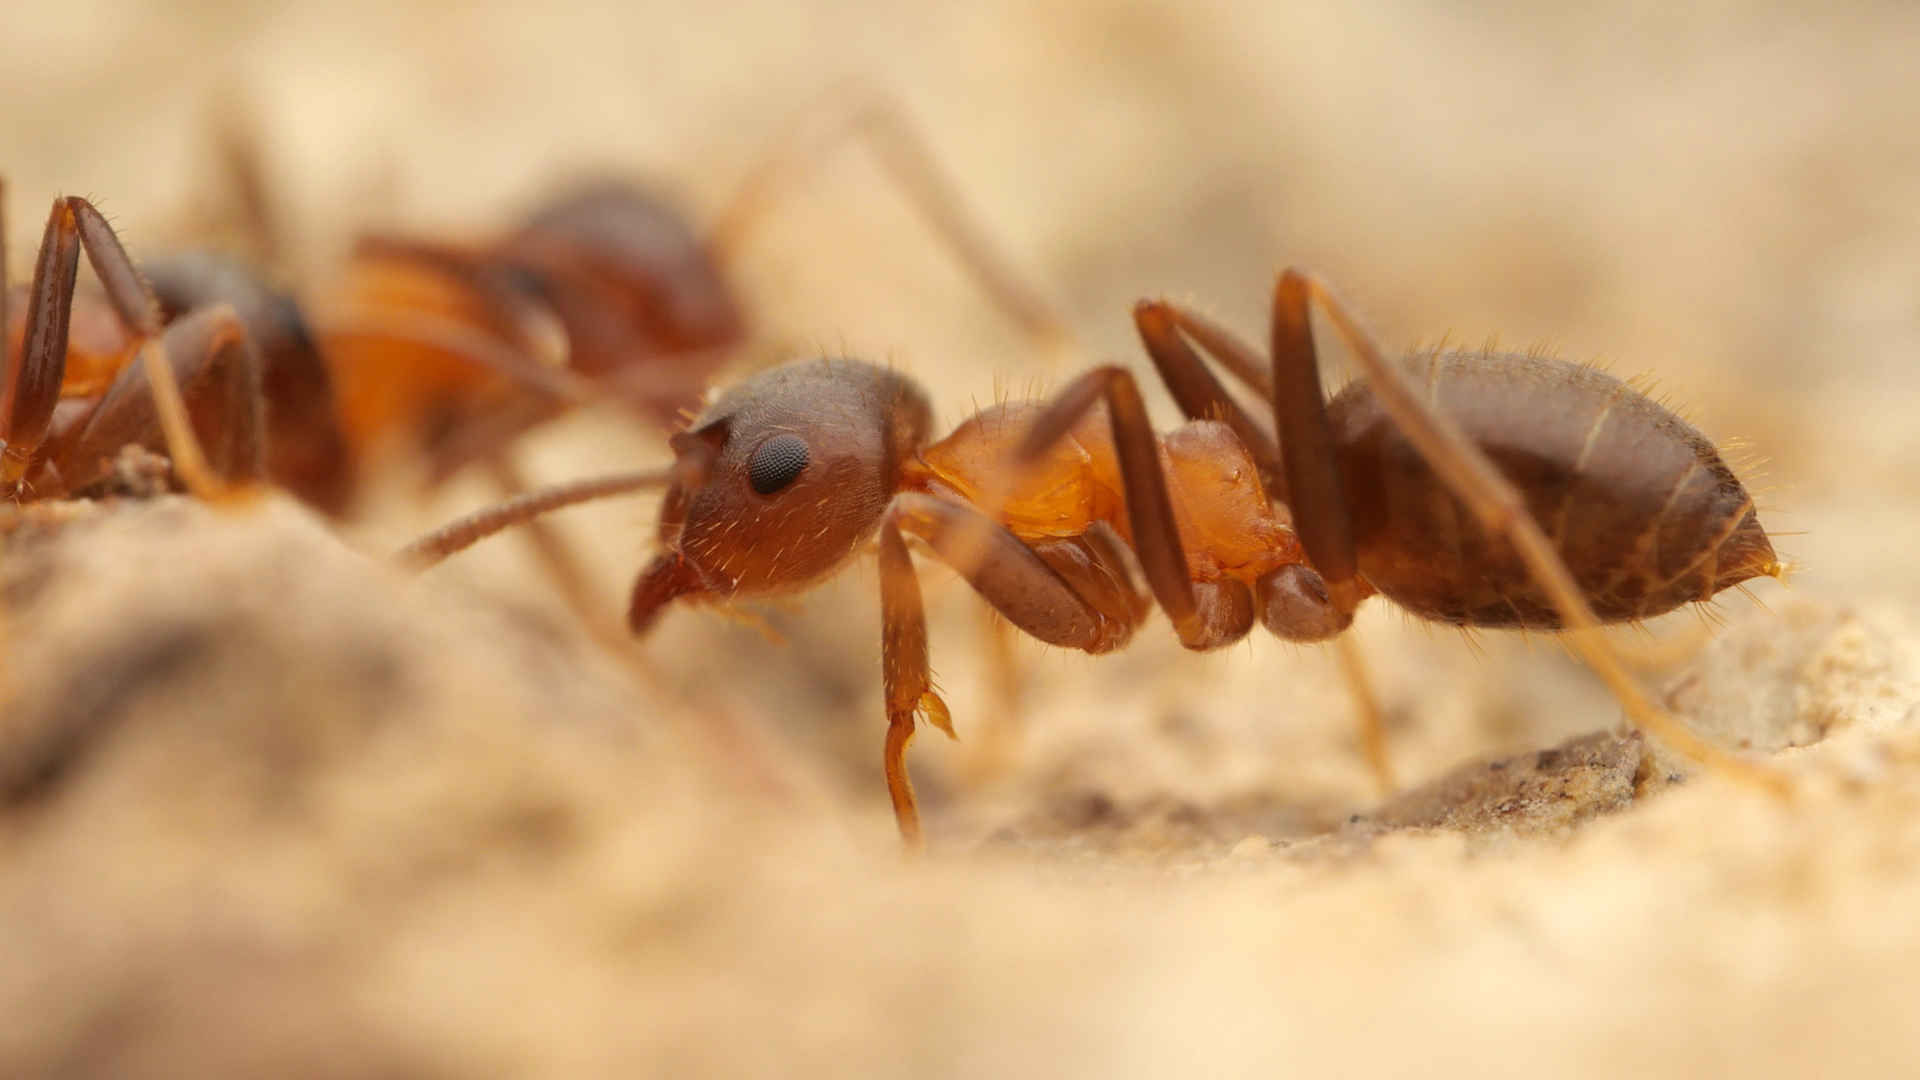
(92, 371)
(450, 352)
(1477, 489)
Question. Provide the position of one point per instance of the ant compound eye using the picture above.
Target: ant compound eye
(776, 463)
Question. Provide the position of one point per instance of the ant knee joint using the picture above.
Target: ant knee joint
(1296, 605)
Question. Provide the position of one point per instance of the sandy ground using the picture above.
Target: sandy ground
(268, 808)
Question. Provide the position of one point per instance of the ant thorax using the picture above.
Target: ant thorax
(1227, 526)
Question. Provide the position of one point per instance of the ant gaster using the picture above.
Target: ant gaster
(1472, 488)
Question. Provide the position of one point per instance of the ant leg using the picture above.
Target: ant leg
(236, 210)
(1095, 611)
(1001, 728)
(33, 384)
(33, 380)
(246, 198)
(856, 110)
(215, 370)
(1474, 479)
(242, 165)
(554, 553)
(532, 347)
(1320, 511)
(1302, 425)
(1200, 395)
(1156, 535)
(552, 388)
(306, 450)
(6, 408)
(463, 342)
(462, 533)
(908, 677)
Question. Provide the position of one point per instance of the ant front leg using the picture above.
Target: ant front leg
(1474, 479)
(214, 372)
(907, 675)
(1075, 595)
(32, 386)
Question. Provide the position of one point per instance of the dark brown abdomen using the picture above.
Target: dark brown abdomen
(1642, 508)
(640, 294)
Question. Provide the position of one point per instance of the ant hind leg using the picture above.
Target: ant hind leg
(1374, 745)
(908, 676)
(1078, 596)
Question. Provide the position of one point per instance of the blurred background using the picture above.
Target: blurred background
(1723, 195)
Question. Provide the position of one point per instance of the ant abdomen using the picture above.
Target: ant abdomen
(1645, 513)
(629, 279)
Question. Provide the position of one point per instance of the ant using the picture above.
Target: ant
(1477, 489)
(90, 374)
(608, 292)
(452, 351)
(304, 452)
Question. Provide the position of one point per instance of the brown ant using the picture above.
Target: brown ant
(304, 453)
(1472, 488)
(606, 293)
(91, 371)
(452, 351)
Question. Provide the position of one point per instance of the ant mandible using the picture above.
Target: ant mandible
(1472, 488)
(84, 380)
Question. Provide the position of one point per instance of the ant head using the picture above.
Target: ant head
(788, 474)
